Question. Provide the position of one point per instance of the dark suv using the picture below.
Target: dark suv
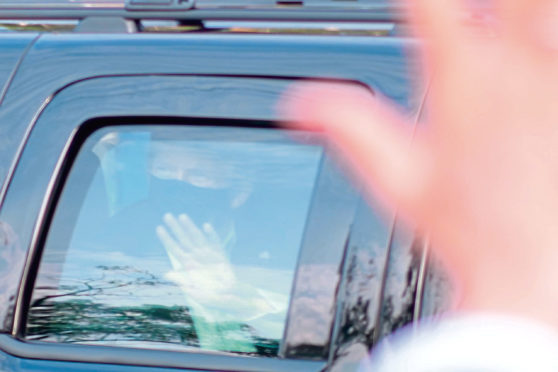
(154, 215)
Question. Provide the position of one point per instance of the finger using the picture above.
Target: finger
(439, 23)
(189, 228)
(176, 228)
(171, 247)
(373, 138)
(211, 234)
(530, 22)
(516, 15)
(511, 10)
(216, 253)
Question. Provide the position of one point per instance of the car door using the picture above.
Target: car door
(138, 148)
(105, 156)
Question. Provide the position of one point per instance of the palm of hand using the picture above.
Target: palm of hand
(482, 174)
(200, 266)
(489, 150)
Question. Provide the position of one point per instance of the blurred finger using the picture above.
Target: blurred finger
(372, 137)
(439, 23)
(530, 22)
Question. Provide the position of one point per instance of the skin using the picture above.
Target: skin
(481, 178)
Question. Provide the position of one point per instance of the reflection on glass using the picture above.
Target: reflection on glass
(400, 288)
(438, 290)
(176, 237)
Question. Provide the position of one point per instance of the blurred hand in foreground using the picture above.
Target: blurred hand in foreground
(481, 178)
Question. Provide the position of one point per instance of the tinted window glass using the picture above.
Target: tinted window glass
(176, 237)
(401, 279)
(438, 290)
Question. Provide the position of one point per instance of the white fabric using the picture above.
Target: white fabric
(491, 343)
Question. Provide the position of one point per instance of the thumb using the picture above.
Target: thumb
(368, 134)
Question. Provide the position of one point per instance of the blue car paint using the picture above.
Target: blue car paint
(56, 61)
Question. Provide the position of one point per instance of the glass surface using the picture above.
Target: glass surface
(438, 291)
(401, 279)
(177, 237)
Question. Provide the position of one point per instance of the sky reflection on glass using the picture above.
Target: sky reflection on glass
(206, 218)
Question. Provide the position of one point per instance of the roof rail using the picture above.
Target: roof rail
(211, 10)
(166, 5)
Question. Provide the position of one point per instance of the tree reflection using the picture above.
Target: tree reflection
(80, 313)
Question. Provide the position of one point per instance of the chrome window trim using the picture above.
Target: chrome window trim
(151, 358)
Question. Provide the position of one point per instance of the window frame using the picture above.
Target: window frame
(83, 134)
(199, 359)
(64, 136)
(109, 355)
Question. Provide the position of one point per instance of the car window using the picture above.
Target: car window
(177, 237)
(401, 278)
(438, 293)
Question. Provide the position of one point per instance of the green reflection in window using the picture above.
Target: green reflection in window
(176, 238)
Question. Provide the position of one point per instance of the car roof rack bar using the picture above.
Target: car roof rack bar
(290, 13)
(90, 25)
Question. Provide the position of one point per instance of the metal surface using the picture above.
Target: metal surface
(280, 14)
(119, 96)
(193, 97)
(289, 10)
(57, 61)
(421, 281)
(60, 59)
(13, 52)
(277, 25)
(359, 298)
(399, 291)
(62, 3)
(96, 356)
(199, 3)
(169, 5)
(173, 26)
(92, 25)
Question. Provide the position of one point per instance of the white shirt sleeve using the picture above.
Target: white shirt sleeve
(479, 342)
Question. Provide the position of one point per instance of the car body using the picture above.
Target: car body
(58, 88)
